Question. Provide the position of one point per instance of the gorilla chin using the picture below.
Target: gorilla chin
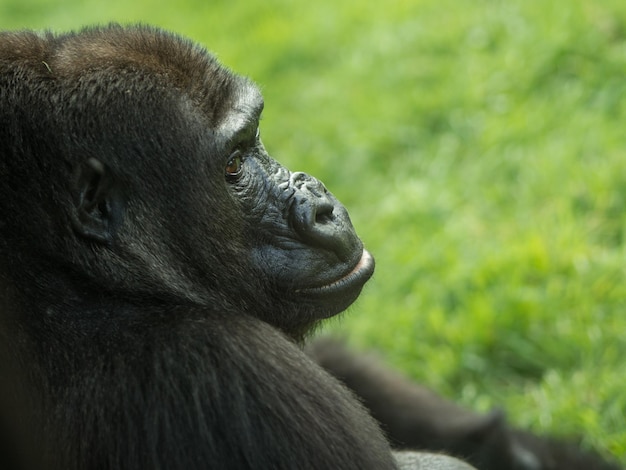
(341, 293)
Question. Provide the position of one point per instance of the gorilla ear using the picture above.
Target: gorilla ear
(96, 209)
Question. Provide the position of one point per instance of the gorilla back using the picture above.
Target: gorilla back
(156, 266)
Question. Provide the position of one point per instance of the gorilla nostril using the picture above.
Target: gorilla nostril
(324, 213)
(324, 218)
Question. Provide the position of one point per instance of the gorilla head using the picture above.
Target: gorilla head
(132, 166)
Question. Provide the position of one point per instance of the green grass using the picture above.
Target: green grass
(481, 149)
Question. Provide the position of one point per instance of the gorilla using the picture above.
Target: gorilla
(159, 272)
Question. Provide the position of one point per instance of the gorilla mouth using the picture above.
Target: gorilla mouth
(359, 274)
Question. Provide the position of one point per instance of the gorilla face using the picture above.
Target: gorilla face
(301, 237)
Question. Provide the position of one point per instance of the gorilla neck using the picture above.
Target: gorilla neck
(67, 300)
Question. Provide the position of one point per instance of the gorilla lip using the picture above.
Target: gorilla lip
(361, 272)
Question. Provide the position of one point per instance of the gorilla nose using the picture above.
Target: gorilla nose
(318, 218)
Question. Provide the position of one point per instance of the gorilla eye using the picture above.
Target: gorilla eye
(234, 165)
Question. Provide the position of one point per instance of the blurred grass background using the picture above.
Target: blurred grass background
(481, 149)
